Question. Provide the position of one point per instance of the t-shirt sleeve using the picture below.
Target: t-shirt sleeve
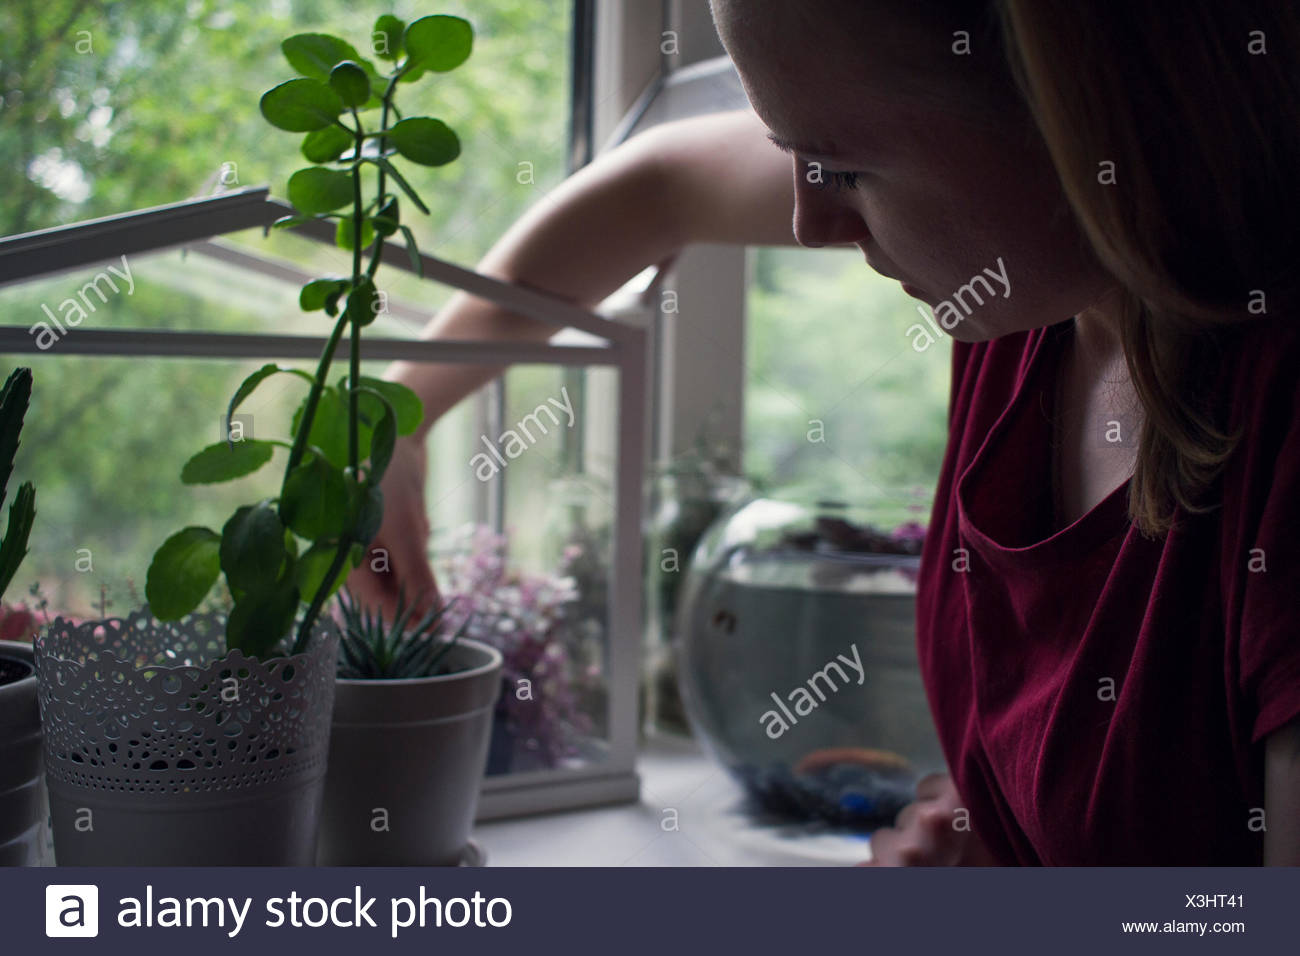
(1267, 562)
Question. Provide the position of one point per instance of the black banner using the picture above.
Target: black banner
(669, 912)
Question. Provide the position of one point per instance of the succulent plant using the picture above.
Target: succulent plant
(371, 649)
(14, 398)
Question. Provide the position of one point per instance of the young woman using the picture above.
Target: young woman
(1098, 202)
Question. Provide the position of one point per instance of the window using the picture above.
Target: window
(111, 107)
(838, 403)
(135, 105)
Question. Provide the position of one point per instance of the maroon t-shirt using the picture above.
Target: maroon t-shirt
(1101, 697)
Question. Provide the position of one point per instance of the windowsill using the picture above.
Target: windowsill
(689, 815)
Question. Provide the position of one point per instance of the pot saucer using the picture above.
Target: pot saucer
(473, 855)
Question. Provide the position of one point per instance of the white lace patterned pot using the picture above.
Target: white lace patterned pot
(163, 749)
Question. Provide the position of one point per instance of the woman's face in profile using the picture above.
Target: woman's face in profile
(935, 191)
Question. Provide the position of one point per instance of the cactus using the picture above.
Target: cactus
(13, 406)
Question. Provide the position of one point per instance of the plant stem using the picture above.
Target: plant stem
(313, 398)
(358, 220)
(318, 599)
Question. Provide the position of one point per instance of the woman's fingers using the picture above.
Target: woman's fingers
(923, 833)
(934, 786)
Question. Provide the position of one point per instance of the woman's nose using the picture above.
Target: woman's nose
(823, 217)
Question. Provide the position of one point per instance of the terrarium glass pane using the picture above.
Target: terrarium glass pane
(104, 442)
(540, 582)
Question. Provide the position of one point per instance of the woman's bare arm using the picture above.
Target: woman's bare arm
(1282, 796)
(713, 178)
(710, 179)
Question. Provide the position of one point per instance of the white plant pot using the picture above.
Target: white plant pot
(162, 748)
(407, 759)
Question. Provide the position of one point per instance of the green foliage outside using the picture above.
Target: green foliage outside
(115, 105)
(837, 403)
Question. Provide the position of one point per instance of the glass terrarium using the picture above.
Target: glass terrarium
(164, 311)
(798, 662)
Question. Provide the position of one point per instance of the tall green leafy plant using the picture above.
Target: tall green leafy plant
(298, 547)
(14, 398)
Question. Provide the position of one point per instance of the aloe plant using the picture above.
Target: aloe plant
(14, 400)
(372, 650)
(297, 548)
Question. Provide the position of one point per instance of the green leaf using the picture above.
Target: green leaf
(301, 106)
(388, 218)
(383, 438)
(350, 82)
(439, 43)
(332, 300)
(378, 86)
(252, 546)
(316, 54)
(406, 405)
(260, 620)
(329, 428)
(182, 572)
(383, 163)
(315, 500)
(369, 511)
(346, 233)
(315, 293)
(22, 513)
(226, 461)
(316, 190)
(249, 384)
(325, 145)
(361, 303)
(426, 141)
(386, 37)
(411, 74)
(286, 222)
(413, 251)
(315, 564)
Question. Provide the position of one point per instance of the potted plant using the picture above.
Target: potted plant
(412, 718)
(22, 801)
(530, 619)
(201, 738)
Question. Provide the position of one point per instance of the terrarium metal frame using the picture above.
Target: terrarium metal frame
(196, 224)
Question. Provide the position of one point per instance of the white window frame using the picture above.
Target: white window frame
(697, 353)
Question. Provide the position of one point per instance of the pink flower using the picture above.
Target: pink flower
(17, 623)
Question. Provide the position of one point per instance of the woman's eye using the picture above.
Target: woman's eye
(818, 175)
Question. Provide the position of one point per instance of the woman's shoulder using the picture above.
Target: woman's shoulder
(1259, 378)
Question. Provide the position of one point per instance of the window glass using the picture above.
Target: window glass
(841, 399)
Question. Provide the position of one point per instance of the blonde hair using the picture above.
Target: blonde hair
(1176, 135)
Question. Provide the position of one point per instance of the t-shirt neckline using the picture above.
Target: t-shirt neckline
(1011, 473)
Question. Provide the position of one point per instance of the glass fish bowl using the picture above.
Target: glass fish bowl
(797, 661)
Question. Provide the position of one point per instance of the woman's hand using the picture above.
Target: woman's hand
(397, 557)
(926, 832)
